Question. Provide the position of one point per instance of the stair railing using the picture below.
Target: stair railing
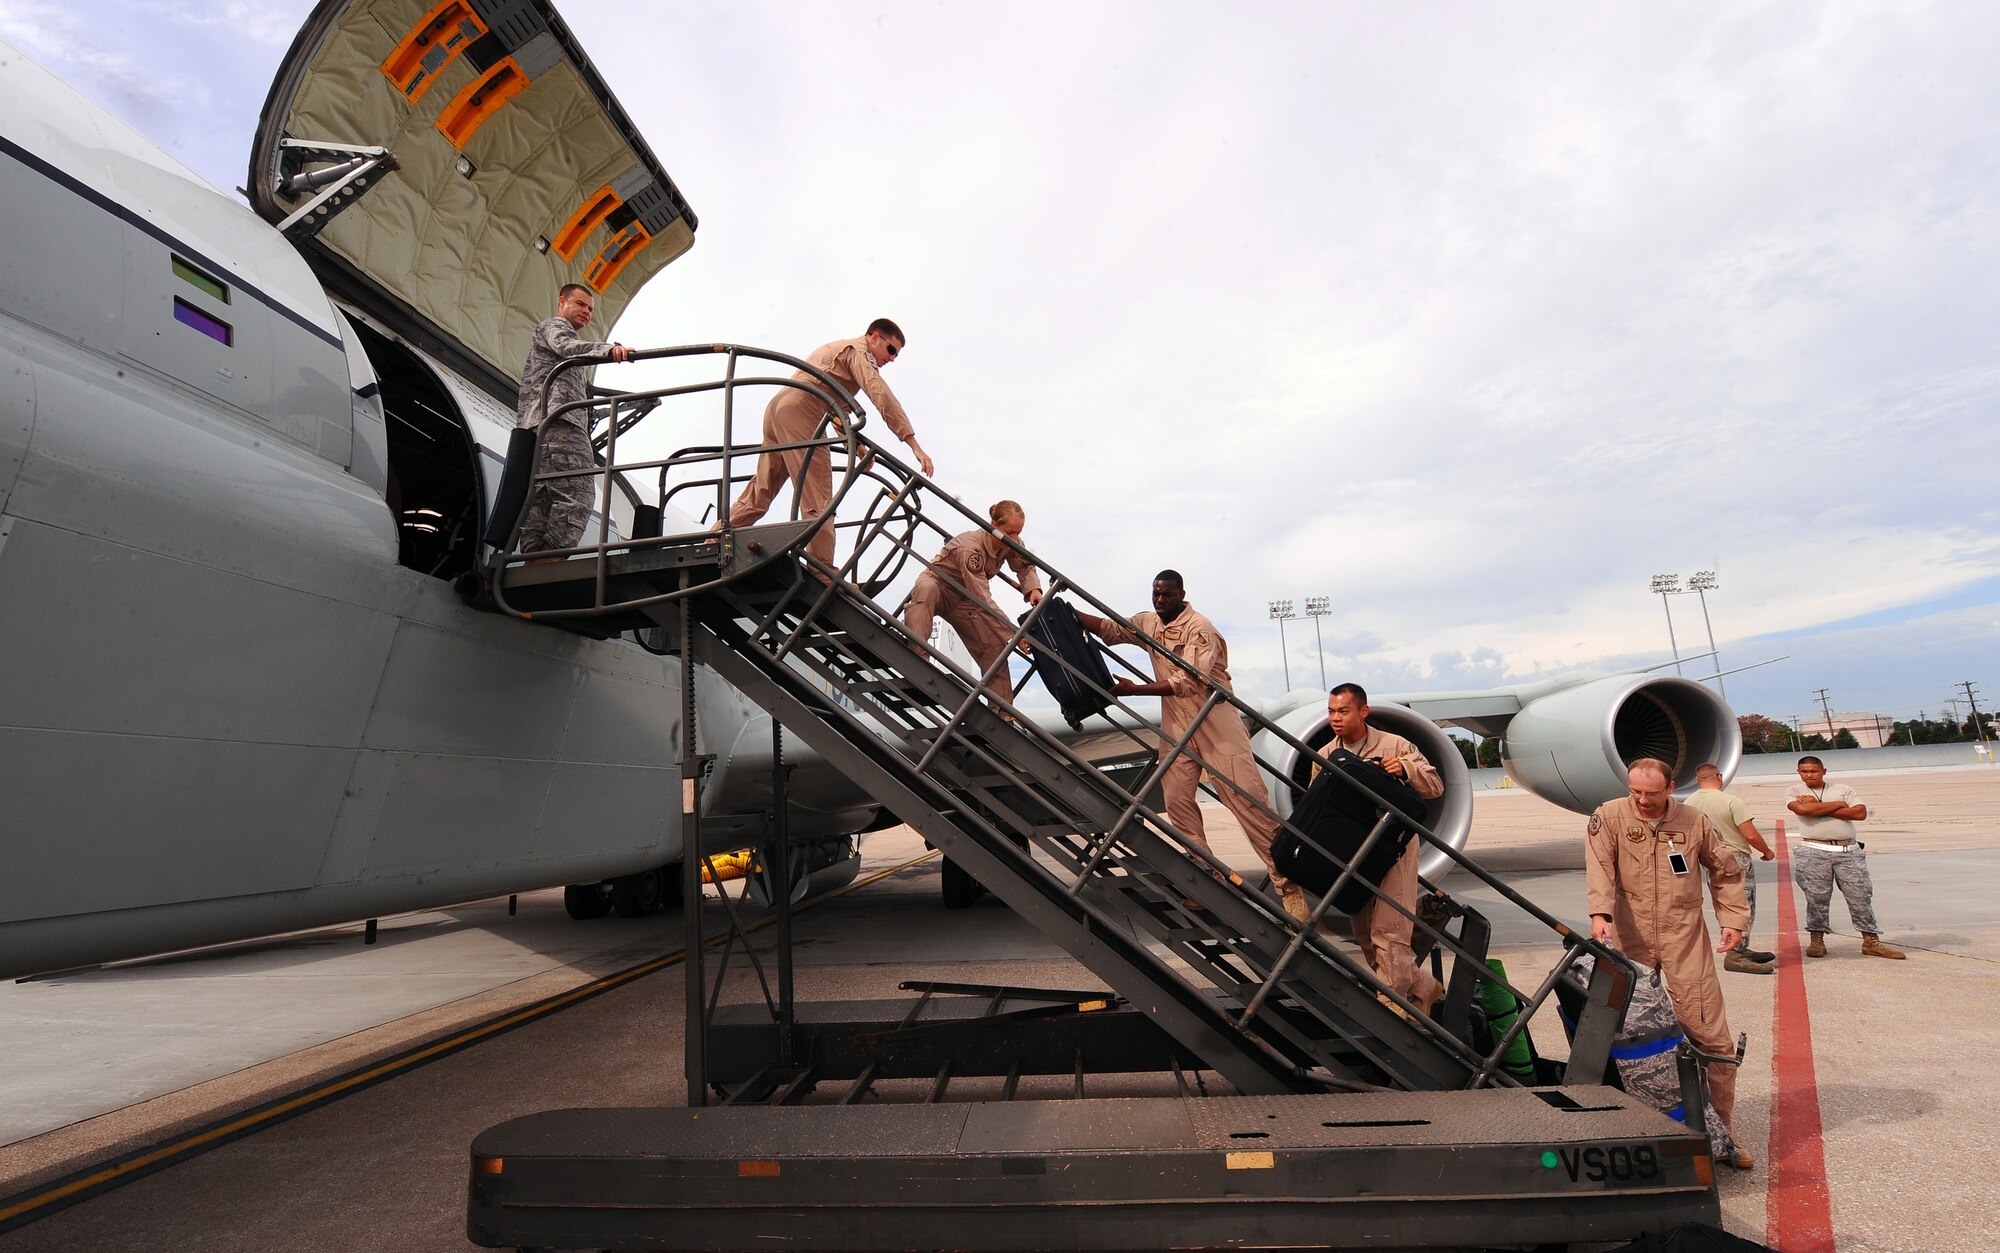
(906, 513)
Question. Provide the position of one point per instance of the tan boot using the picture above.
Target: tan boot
(1817, 946)
(1431, 1002)
(1872, 946)
(1295, 905)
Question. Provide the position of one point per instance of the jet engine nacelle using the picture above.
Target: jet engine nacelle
(1571, 746)
(1451, 814)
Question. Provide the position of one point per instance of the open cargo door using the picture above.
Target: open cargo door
(447, 167)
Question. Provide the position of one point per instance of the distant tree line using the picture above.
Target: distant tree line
(1767, 735)
(1485, 752)
(1940, 731)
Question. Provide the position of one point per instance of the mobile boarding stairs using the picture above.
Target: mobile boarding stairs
(1360, 1121)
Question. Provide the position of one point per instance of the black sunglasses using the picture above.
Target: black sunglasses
(893, 348)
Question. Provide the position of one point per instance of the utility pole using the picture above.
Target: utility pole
(1828, 711)
(1967, 685)
(1798, 743)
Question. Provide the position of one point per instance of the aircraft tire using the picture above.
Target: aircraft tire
(636, 895)
(960, 888)
(584, 901)
(672, 893)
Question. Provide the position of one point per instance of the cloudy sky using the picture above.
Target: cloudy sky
(1470, 317)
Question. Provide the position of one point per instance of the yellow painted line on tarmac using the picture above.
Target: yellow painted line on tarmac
(25, 1208)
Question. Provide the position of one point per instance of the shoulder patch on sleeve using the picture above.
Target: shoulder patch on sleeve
(1596, 824)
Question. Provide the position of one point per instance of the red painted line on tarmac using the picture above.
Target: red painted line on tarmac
(1798, 1212)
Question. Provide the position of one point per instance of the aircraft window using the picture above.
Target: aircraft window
(187, 315)
(201, 282)
(433, 490)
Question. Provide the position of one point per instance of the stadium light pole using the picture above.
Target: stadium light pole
(1666, 585)
(1280, 611)
(1701, 583)
(1318, 607)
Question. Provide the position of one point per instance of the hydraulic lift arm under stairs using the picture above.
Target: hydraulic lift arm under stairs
(1217, 973)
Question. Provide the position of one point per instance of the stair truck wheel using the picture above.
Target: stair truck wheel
(960, 888)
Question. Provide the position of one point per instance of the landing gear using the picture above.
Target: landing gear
(584, 901)
(632, 895)
(637, 895)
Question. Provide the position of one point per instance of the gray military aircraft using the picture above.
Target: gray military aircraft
(245, 453)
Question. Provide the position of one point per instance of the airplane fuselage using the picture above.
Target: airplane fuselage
(227, 705)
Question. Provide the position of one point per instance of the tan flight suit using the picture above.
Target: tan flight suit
(793, 416)
(1656, 916)
(1382, 933)
(1221, 740)
(969, 562)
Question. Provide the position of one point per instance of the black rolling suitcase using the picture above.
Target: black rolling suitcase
(1338, 818)
(1058, 632)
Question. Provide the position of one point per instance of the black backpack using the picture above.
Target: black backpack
(1058, 632)
(1338, 818)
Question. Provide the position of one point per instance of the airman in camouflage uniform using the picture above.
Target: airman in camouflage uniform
(558, 510)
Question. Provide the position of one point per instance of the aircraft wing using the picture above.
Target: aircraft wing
(1482, 713)
(515, 171)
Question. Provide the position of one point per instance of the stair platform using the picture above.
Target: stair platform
(1382, 1170)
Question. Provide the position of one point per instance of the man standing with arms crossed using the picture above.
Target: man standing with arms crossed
(1642, 859)
(1737, 829)
(794, 415)
(1221, 741)
(1382, 932)
(558, 509)
(1830, 856)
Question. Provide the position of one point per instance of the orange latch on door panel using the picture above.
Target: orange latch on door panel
(593, 210)
(451, 26)
(480, 99)
(621, 248)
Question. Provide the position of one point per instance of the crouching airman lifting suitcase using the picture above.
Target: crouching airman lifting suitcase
(1338, 818)
(1059, 633)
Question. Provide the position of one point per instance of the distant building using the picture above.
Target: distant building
(1868, 729)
